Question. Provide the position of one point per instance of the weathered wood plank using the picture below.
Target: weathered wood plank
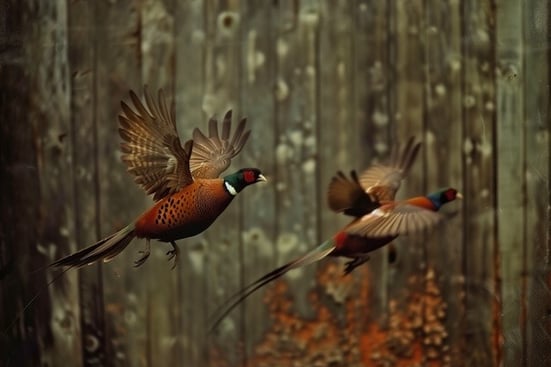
(258, 206)
(537, 173)
(338, 135)
(406, 103)
(36, 191)
(82, 62)
(190, 49)
(221, 244)
(161, 313)
(296, 128)
(510, 152)
(49, 127)
(442, 148)
(120, 200)
(406, 120)
(371, 86)
(481, 323)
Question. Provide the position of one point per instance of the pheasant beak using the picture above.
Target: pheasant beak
(459, 196)
(261, 178)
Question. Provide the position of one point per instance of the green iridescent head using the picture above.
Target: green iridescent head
(237, 181)
(444, 196)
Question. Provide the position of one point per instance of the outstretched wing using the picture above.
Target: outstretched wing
(383, 181)
(347, 195)
(393, 219)
(151, 147)
(212, 155)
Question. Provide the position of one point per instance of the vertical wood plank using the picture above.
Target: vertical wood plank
(296, 119)
(406, 103)
(510, 179)
(82, 61)
(120, 199)
(161, 304)
(481, 323)
(371, 86)
(220, 247)
(537, 173)
(37, 203)
(352, 95)
(442, 147)
(46, 55)
(338, 135)
(258, 205)
(190, 50)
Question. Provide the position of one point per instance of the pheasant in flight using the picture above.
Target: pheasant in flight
(378, 218)
(184, 179)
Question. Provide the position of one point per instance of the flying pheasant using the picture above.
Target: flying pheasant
(184, 180)
(378, 219)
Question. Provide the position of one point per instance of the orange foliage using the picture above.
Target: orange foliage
(343, 333)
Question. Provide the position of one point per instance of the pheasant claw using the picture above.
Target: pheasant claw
(354, 263)
(145, 254)
(173, 254)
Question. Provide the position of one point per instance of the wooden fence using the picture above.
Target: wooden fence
(326, 85)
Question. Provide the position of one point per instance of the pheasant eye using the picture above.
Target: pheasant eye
(249, 176)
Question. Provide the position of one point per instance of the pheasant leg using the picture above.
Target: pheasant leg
(145, 254)
(173, 254)
(354, 263)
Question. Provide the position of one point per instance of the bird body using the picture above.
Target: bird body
(351, 246)
(185, 213)
(378, 218)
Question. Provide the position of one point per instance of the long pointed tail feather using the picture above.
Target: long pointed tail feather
(311, 257)
(104, 249)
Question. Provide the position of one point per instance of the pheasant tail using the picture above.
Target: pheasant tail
(105, 249)
(311, 257)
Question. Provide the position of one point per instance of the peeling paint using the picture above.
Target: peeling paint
(256, 237)
(281, 90)
(255, 58)
(309, 166)
(380, 119)
(286, 243)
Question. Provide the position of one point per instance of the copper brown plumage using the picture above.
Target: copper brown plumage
(183, 180)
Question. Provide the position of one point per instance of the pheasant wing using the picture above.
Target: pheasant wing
(212, 155)
(151, 147)
(347, 195)
(383, 181)
(393, 219)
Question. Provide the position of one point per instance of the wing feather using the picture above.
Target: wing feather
(150, 145)
(395, 219)
(212, 155)
(346, 195)
(383, 181)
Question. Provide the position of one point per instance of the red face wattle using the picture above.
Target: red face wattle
(249, 176)
(451, 194)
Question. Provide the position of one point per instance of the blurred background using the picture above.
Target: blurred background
(326, 85)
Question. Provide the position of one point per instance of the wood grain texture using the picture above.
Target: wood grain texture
(443, 146)
(510, 179)
(326, 86)
(481, 326)
(259, 29)
(537, 170)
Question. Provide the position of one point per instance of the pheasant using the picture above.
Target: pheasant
(184, 180)
(378, 218)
